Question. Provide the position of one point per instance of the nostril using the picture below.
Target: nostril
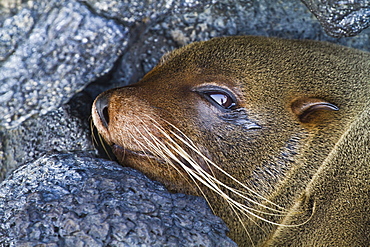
(106, 116)
(102, 104)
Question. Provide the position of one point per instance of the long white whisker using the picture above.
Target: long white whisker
(207, 180)
(157, 149)
(170, 151)
(200, 170)
(224, 172)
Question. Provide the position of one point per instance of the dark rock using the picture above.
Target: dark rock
(49, 51)
(65, 129)
(341, 18)
(76, 200)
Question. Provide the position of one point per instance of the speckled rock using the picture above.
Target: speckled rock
(65, 129)
(49, 51)
(76, 200)
(341, 18)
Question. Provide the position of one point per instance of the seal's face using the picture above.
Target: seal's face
(192, 108)
(236, 116)
(168, 119)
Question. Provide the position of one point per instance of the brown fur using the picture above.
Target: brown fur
(304, 154)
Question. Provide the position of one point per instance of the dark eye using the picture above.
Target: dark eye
(222, 99)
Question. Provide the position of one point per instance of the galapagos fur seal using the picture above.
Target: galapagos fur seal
(273, 133)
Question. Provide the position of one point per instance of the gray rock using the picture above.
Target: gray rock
(341, 18)
(76, 200)
(49, 51)
(65, 129)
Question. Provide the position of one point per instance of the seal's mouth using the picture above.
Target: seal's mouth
(124, 152)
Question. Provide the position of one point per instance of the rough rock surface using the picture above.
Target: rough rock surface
(76, 200)
(56, 56)
(51, 50)
(341, 18)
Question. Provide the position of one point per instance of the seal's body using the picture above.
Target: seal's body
(274, 133)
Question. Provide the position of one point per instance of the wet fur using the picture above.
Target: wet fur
(275, 177)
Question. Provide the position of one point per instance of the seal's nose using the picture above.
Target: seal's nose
(101, 105)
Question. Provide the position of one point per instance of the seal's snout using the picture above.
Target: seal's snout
(101, 105)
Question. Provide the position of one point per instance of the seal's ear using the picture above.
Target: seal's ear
(305, 108)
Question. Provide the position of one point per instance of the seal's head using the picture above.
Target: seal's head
(243, 121)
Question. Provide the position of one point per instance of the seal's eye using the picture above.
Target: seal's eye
(218, 96)
(222, 99)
